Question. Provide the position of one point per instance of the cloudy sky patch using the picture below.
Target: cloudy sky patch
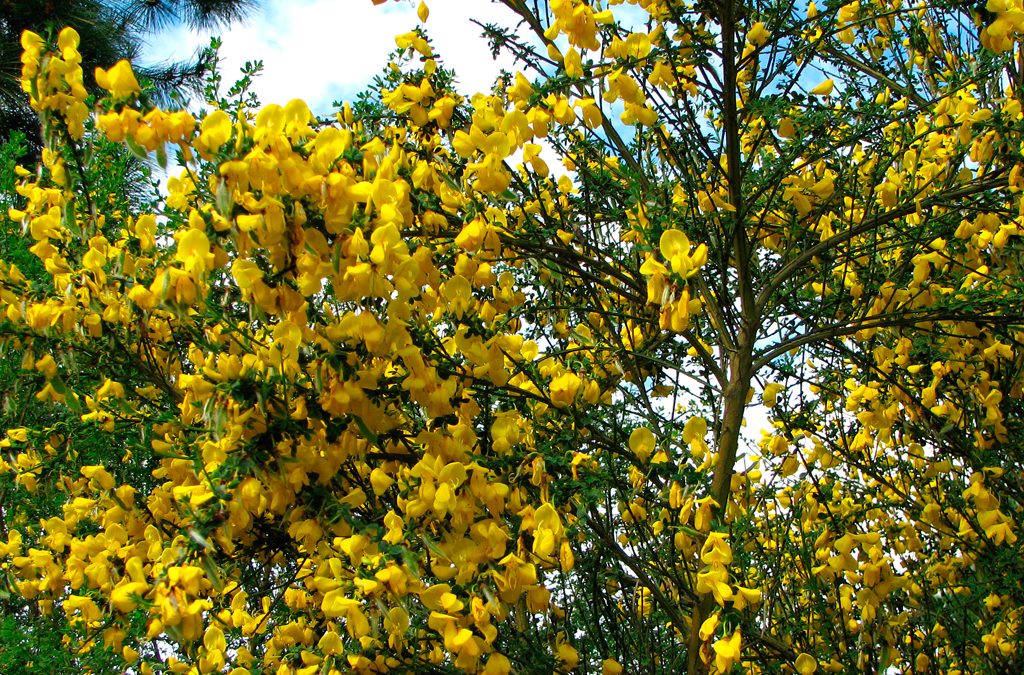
(325, 50)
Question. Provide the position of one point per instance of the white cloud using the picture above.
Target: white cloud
(325, 50)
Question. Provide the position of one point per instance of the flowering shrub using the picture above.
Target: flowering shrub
(390, 392)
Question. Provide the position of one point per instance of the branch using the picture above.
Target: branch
(784, 274)
(890, 320)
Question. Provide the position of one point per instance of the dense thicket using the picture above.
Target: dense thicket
(695, 345)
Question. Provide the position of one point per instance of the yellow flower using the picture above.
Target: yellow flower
(716, 549)
(566, 653)
(68, 40)
(566, 558)
(694, 431)
(214, 131)
(674, 246)
(119, 80)
(771, 394)
(497, 664)
(548, 530)
(32, 41)
(708, 627)
(123, 598)
(806, 664)
(246, 273)
(823, 89)
(458, 294)
(610, 667)
(145, 231)
(786, 128)
(564, 389)
(758, 34)
(727, 652)
(642, 442)
(380, 481)
(714, 581)
(194, 250)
